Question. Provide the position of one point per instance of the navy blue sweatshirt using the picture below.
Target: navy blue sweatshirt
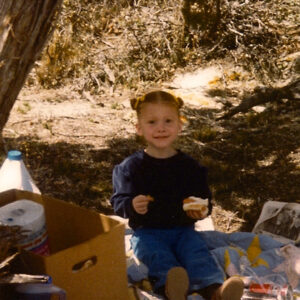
(167, 180)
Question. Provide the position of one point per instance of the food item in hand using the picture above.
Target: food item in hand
(196, 203)
(150, 198)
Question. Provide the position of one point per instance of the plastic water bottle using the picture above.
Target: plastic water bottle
(14, 174)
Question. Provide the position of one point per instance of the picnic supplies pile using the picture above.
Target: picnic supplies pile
(10, 237)
(23, 222)
(23, 214)
(87, 257)
(81, 250)
(15, 228)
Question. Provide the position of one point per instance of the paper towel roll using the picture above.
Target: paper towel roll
(25, 213)
(31, 217)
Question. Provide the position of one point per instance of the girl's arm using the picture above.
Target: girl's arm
(123, 193)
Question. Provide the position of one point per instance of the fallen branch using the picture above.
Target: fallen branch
(263, 95)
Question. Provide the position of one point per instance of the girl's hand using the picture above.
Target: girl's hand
(140, 203)
(195, 214)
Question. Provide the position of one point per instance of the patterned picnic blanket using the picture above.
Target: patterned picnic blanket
(256, 256)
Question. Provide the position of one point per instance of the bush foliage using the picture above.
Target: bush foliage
(101, 44)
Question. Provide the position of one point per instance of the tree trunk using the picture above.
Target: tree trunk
(25, 27)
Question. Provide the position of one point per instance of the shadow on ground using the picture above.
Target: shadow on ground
(251, 158)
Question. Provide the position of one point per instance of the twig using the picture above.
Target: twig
(108, 44)
(78, 136)
(200, 144)
(30, 120)
(235, 31)
(137, 39)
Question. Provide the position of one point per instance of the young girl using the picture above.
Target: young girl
(149, 188)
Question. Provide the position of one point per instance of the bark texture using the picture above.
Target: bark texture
(25, 27)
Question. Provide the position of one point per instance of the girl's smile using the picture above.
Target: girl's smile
(160, 125)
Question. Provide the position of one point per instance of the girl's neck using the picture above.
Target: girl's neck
(166, 153)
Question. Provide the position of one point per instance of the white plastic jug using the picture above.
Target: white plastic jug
(14, 175)
(30, 216)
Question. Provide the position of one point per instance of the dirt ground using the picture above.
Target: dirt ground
(74, 135)
(71, 143)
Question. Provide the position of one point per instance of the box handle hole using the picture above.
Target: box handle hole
(84, 264)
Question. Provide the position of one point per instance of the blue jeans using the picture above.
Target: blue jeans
(162, 249)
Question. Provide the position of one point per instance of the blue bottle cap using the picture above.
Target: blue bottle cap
(14, 155)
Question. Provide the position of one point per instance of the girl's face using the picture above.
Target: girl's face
(160, 125)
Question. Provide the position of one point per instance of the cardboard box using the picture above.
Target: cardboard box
(87, 251)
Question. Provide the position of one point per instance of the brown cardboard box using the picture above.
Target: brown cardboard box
(87, 249)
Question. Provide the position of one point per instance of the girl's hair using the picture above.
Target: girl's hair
(156, 97)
